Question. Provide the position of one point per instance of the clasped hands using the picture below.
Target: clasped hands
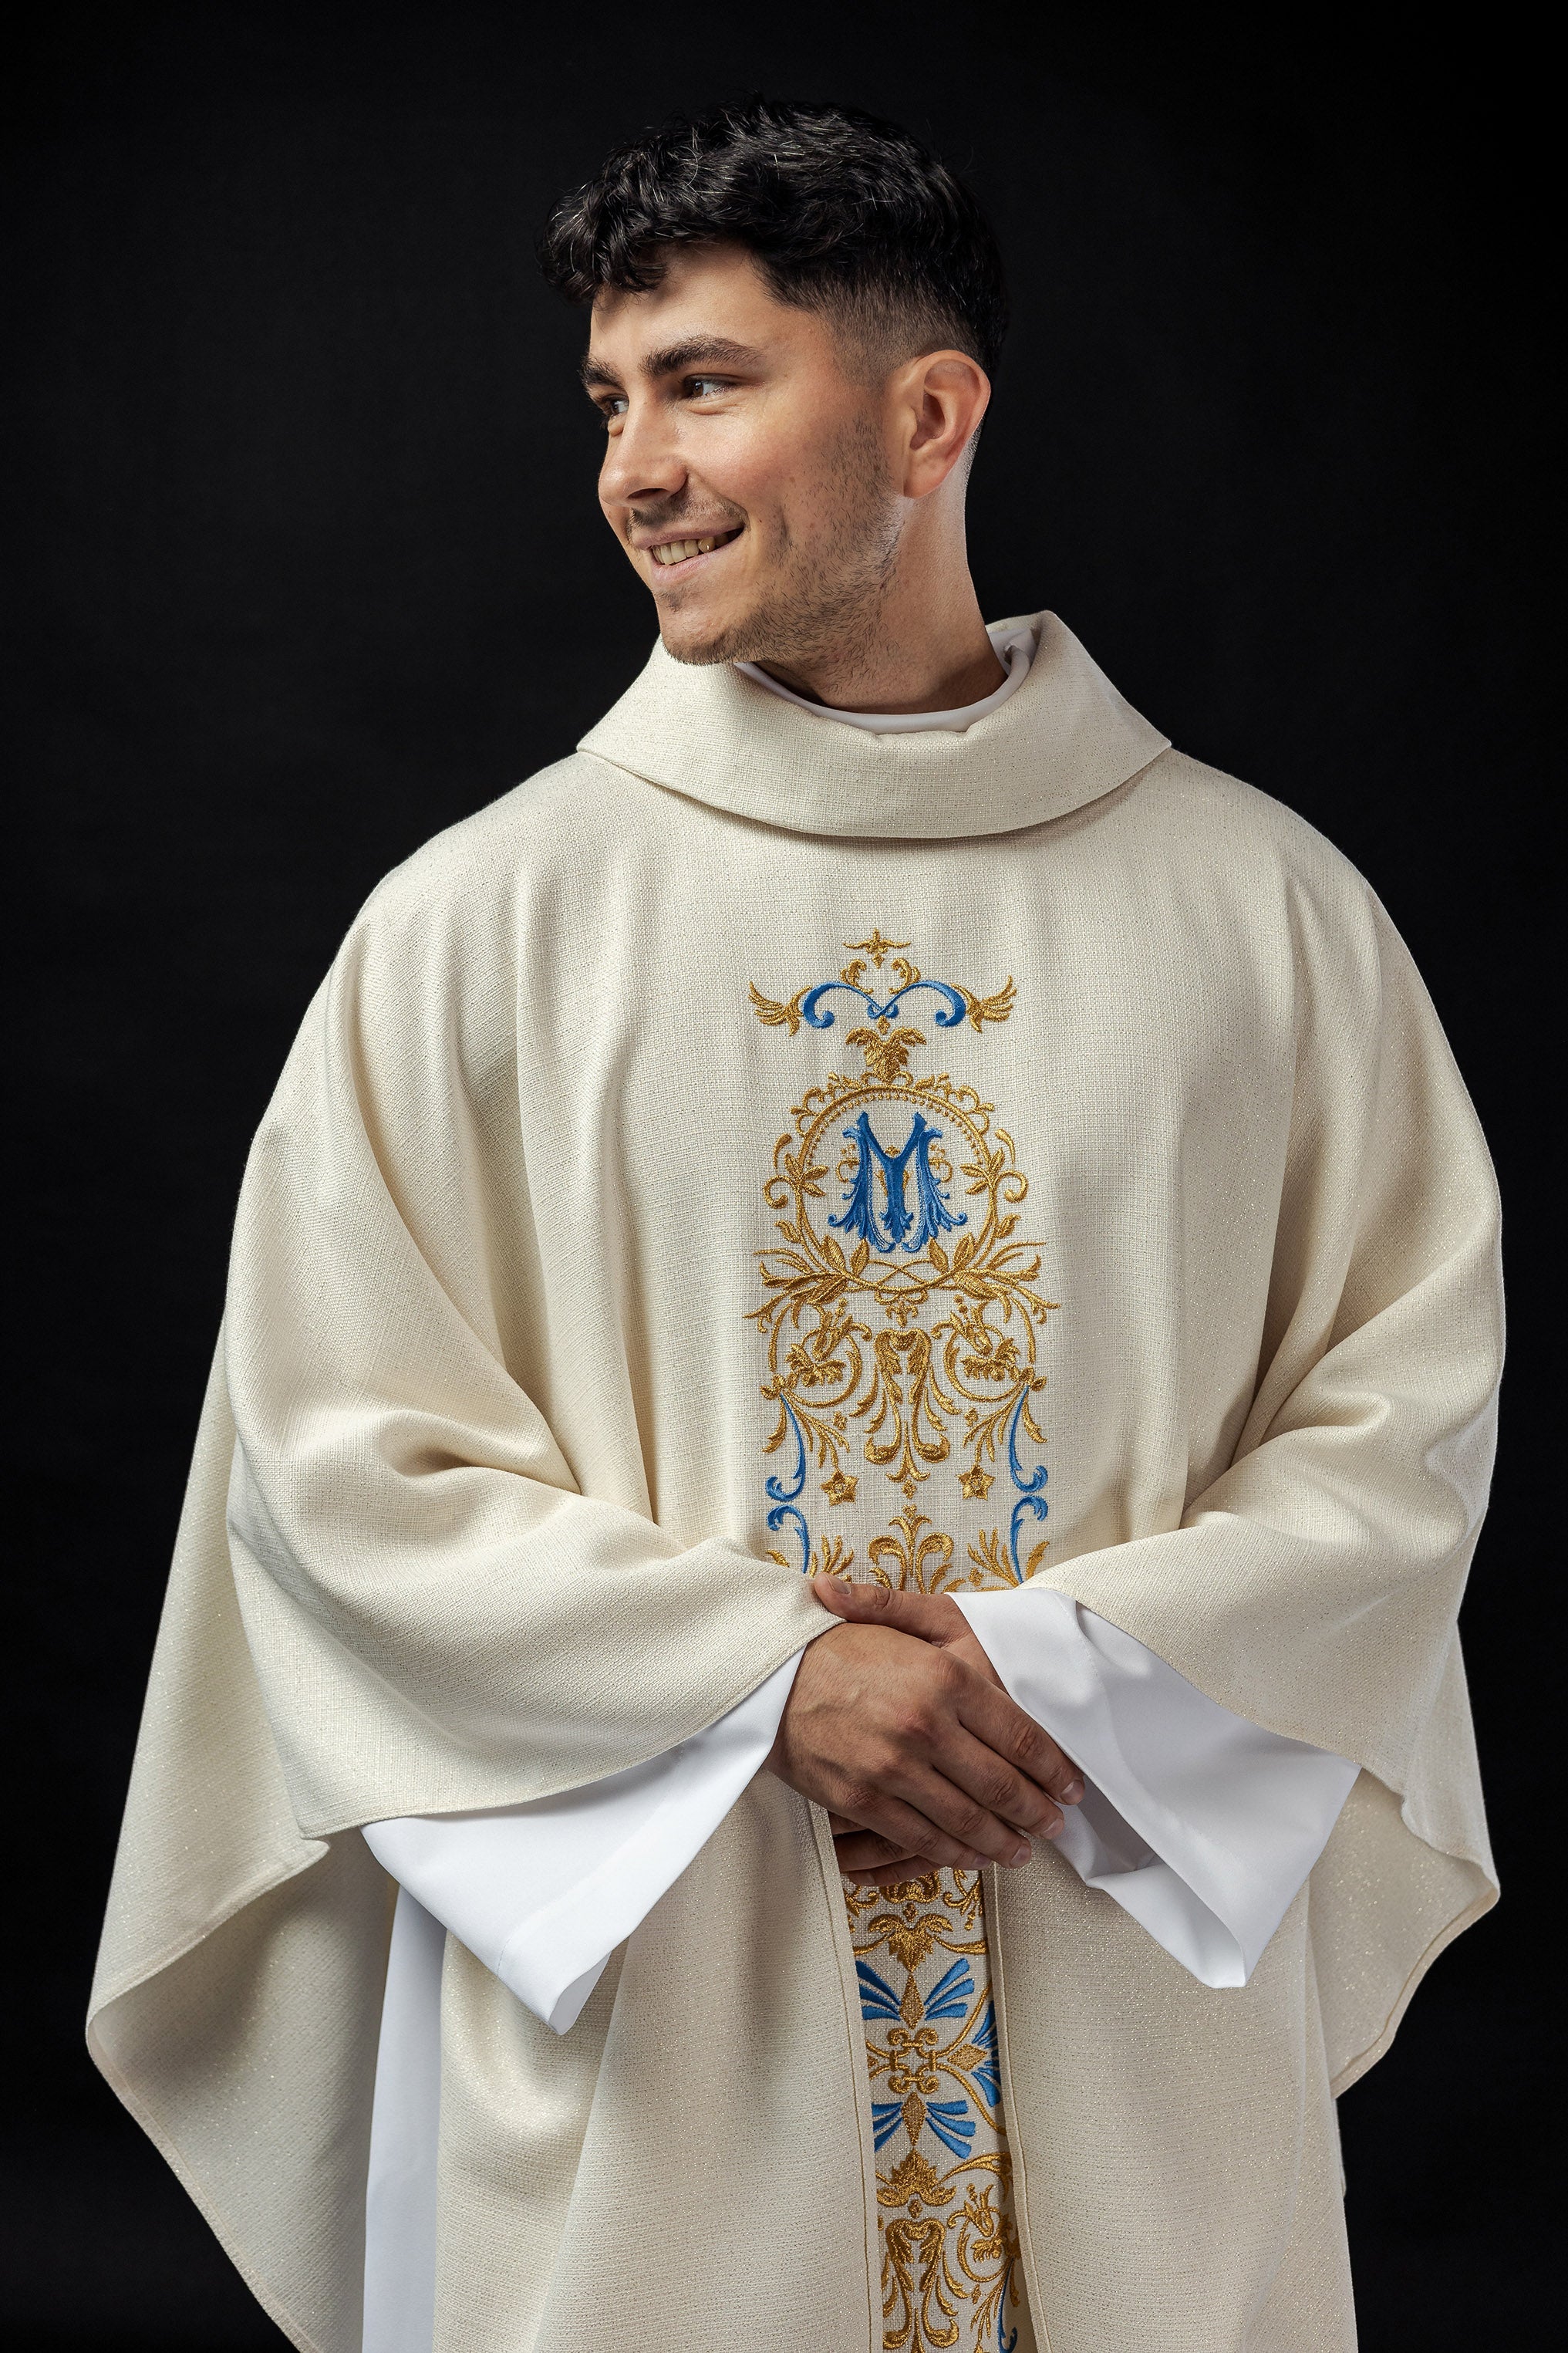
(898, 1723)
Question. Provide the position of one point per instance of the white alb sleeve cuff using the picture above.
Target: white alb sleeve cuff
(543, 1893)
(1201, 1825)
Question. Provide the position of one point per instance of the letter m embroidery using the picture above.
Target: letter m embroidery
(876, 1209)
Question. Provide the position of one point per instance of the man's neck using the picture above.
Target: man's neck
(918, 654)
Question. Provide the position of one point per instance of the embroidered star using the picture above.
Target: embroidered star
(840, 1489)
(976, 1483)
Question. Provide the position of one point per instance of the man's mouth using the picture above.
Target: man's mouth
(668, 552)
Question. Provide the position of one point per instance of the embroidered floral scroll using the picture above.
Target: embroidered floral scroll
(902, 1322)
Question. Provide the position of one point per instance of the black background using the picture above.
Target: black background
(300, 490)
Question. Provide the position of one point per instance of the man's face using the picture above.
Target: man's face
(747, 472)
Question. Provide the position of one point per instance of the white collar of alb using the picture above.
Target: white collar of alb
(1015, 650)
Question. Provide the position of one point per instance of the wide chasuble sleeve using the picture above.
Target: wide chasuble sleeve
(502, 1499)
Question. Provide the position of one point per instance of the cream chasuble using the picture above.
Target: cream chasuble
(751, 1143)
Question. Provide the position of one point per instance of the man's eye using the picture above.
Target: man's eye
(613, 406)
(698, 386)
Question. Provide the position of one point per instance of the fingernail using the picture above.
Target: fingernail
(1020, 1853)
(1073, 1791)
(1054, 1830)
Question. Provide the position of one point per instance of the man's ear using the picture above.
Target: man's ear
(942, 396)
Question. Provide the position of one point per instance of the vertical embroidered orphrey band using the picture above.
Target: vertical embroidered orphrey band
(901, 1320)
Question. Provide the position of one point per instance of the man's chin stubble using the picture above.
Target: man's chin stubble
(726, 645)
(795, 629)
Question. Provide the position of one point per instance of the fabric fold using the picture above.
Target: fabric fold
(1064, 738)
(1202, 1825)
(543, 1892)
(426, 1589)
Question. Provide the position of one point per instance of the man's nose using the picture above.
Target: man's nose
(643, 460)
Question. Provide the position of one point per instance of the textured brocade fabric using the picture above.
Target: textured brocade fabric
(950, 2270)
(903, 1319)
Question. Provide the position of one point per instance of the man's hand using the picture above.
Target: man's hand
(933, 1618)
(899, 1726)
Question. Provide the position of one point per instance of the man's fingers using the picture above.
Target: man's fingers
(919, 1810)
(1003, 1726)
(893, 1874)
(954, 1811)
(867, 1850)
(888, 1814)
(936, 1618)
(923, 1614)
(1013, 1796)
(904, 1739)
(836, 1593)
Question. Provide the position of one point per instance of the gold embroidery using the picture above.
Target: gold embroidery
(877, 947)
(778, 1014)
(949, 2269)
(912, 1343)
(922, 1561)
(831, 1558)
(914, 2180)
(906, 1384)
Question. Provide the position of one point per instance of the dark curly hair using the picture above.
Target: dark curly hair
(844, 213)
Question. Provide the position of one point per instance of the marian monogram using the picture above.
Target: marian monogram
(914, 1341)
(902, 1319)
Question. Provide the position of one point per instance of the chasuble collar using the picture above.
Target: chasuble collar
(1065, 737)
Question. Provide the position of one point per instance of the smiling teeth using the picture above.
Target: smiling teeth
(676, 551)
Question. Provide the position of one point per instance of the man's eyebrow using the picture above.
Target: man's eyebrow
(698, 350)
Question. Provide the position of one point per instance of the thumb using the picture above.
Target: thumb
(881, 1605)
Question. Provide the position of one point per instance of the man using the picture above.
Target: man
(874, 1068)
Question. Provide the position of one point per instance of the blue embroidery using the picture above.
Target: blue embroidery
(887, 2115)
(949, 1998)
(878, 1999)
(777, 1518)
(949, 1014)
(784, 1497)
(1029, 1496)
(778, 1492)
(952, 2123)
(988, 2075)
(848, 1339)
(931, 1215)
